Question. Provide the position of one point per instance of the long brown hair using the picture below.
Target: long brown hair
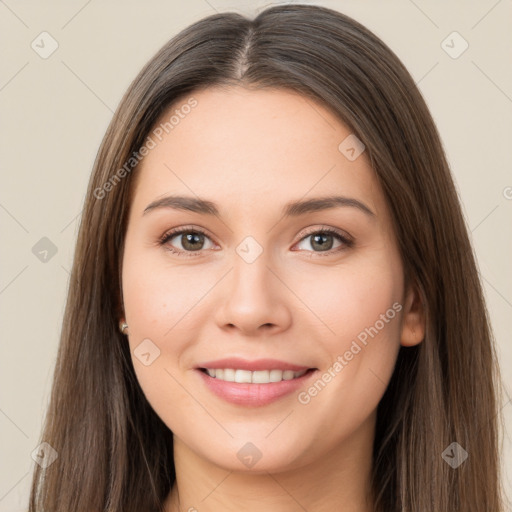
(114, 452)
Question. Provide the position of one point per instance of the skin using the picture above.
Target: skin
(250, 152)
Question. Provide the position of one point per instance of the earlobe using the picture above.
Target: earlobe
(123, 326)
(413, 321)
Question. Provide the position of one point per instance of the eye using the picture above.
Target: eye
(322, 241)
(191, 240)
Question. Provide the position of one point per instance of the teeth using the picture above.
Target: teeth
(229, 374)
(257, 377)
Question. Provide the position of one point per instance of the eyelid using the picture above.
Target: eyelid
(325, 229)
(182, 229)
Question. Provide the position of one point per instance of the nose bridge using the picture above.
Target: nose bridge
(251, 277)
(252, 297)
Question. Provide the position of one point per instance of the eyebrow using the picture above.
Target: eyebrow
(291, 209)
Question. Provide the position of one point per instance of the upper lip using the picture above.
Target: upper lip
(255, 365)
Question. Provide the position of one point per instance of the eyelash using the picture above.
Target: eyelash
(348, 242)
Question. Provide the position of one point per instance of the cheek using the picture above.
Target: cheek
(164, 305)
(160, 302)
(362, 309)
(357, 309)
(159, 296)
(352, 298)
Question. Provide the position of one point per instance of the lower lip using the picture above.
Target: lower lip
(242, 393)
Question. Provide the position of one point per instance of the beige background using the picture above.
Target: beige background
(54, 112)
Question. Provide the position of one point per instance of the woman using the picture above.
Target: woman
(274, 304)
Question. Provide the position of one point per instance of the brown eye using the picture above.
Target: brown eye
(186, 241)
(191, 241)
(323, 241)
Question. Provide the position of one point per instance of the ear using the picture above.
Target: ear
(413, 320)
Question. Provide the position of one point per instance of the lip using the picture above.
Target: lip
(238, 363)
(254, 395)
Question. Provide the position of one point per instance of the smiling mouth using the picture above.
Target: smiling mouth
(254, 377)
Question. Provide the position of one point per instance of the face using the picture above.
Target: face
(318, 287)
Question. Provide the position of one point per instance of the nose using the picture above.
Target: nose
(253, 299)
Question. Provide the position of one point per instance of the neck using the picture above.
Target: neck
(336, 480)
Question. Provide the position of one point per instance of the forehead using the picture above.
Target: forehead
(252, 147)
